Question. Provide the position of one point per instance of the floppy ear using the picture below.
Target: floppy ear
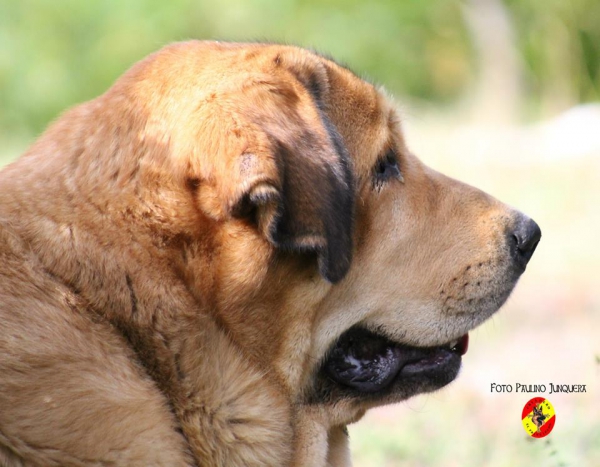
(269, 153)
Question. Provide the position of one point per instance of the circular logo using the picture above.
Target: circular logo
(538, 417)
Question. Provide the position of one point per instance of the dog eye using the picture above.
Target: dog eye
(387, 168)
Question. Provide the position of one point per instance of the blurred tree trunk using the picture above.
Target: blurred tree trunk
(498, 94)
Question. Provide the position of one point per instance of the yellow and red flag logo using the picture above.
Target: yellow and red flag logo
(538, 417)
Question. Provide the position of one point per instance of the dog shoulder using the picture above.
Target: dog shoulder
(76, 371)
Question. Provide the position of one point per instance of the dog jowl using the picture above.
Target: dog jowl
(228, 257)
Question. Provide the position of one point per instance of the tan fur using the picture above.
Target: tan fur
(144, 320)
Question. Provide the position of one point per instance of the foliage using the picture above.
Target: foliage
(58, 53)
(560, 45)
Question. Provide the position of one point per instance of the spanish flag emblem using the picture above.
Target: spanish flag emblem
(538, 417)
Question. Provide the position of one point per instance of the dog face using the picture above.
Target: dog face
(275, 188)
(300, 164)
(329, 242)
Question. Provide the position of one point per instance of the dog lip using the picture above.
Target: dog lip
(439, 357)
(369, 362)
(435, 357)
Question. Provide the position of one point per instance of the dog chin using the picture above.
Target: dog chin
(369, 368)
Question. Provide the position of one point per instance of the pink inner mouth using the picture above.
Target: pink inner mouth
(463, 344)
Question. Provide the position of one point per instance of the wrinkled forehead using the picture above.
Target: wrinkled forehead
(356, 107)
(360, 113)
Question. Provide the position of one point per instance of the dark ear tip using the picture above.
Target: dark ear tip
(334, 271)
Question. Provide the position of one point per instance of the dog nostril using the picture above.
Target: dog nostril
(525, 239)
(515, 239)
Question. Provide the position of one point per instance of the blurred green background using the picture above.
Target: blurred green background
(501, 94)
(56, 53)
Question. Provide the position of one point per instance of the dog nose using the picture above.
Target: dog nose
(524, 239)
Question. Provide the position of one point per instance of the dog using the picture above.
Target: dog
(538, 417)
(226, 259)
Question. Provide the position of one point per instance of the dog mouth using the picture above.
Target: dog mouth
(365, 362)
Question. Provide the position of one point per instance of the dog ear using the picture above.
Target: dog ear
(269, 153)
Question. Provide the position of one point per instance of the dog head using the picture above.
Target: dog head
(277, 187)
